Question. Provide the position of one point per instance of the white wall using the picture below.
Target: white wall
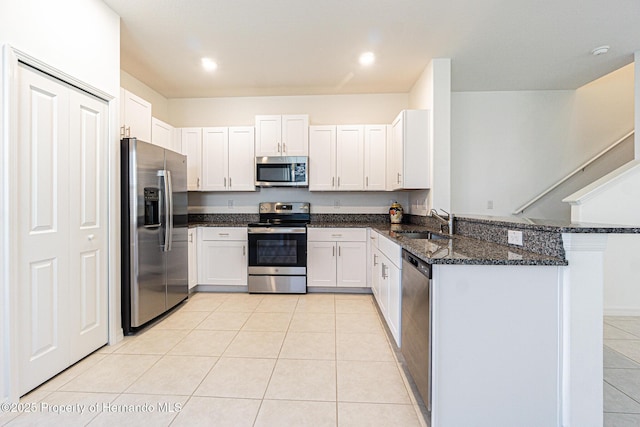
(322, 109)
(159, 104)
(432, 91)
(509, 146)
(615, 199)
(80, 38)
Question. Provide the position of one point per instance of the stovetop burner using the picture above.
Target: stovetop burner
(277, 214)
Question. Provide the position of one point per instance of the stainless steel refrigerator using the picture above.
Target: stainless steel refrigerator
(154, 232)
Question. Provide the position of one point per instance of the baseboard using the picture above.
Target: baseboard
(220, 288)
(621, 311)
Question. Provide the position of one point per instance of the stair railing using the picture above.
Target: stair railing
(580, 168)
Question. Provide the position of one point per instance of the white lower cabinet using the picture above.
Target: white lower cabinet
(386, 283)
(192, 248)
(222, 256)
(337, 257)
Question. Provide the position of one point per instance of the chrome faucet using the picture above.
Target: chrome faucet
(448, 221)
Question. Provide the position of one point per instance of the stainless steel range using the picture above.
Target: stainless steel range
(278, 248)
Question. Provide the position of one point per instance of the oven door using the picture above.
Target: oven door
(277, 251)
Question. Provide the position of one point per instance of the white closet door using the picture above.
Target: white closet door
(44, 228)
(88, 155)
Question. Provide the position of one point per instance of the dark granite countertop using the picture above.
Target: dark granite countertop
(216, 224)
(550, 225)
(456, 250)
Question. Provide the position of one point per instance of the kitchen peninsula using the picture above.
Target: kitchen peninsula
(517, 331)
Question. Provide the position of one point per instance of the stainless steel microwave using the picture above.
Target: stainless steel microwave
(282, 171)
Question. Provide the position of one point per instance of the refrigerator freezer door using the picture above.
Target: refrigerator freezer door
(177, 265)
(147, 277)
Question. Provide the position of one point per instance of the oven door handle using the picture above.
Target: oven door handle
(277, 230)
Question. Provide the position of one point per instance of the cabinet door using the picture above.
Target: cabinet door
(352, 264)
(215, 159)
(375, 273)
(295, 135)
(192, 147)
(161, 134)
(268, 136)
(242, 161)
(192, 237)
(137, 117)
(394, 308)
(321, 264)
(350, 158)
(375, 157)
(395, 155)
(222, 263)
(322, 158)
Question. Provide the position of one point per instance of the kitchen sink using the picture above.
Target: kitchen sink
(421, 235)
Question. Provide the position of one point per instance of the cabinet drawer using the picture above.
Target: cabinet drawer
(223, 233)
(391, 250)
(337, 234)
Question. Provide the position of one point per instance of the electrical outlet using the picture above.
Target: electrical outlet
(230, 204)
(489, 204)
(514, 237)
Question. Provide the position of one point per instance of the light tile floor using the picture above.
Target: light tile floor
(622, 371)
(239, 360)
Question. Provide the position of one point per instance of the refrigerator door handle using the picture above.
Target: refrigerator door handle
(166, 208)
(169, 194)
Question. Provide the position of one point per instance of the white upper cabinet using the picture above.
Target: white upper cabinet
(135, 116)
(165, 135)
(408, 155)
(242, 163)
(350, 158)
(322, 158)
(228, 161)
(375, 156)
(282, 135)
(192, 148)
(336, 158)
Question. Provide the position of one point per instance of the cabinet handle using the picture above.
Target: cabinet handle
(333, 181)
(191, 238)
(399, 177)
(243, 250)
(333, 251)
(229, 182)
(284, 147)
(198, 183)
(225, 182)
(384, 268)
(128, 132)
(279, 151)
(122, 131)
(223, 234)
(90, 237)
(336, 235)
(367, 181)
(375, 260)
(339, 250)
(338, 181)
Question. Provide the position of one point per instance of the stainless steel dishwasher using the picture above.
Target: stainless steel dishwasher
(416, 322)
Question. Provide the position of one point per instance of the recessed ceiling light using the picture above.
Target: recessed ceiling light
(367, 58)
(600, 50)
(209, 64)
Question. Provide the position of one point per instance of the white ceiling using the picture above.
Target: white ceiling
(300, 47)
